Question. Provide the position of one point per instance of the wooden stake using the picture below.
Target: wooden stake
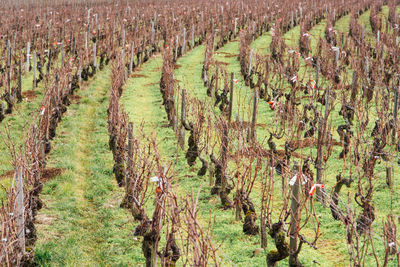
(28, 51)
(19, 87)
(86, 40)
(9, 67)
(34, 70)
(94, 54)
(396, 109)
(231, 99)
(354, 87)
(130, 153)
(20, 208)
(192, 36)
(131, 60)
(184, 41)
(389, 180)
(183, 117)
(320, 142)
(253, 136)
(295, 218)
(250, 65)
(317, 70)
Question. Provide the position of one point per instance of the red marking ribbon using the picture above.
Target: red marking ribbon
(313, 84)
(272, 104)
(312, 190)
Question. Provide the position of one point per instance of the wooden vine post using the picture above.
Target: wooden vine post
(231, 99)
(94, 54)
(183, 117)
(215, 88)
(321, 137)
(34, 69)
(192, 36)
(20, 208)
(396, 109)
(295, 217)
(131, 59)
(224, 161)
(130, 154)
(253, 134)
(184, 42)
(9, 67)
(250, 63)
(317, 70)
(19, 87)
(28, 52)
(354, 87)
(389, 180)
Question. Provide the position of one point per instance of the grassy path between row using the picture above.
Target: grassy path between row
(14, 126)
(192, 62)
(82, 223)
(142, 101)
(333, 250)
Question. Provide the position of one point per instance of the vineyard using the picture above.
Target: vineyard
(199, 133)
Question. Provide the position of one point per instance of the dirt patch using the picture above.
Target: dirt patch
(236, 125)
(75, 99)
(221, 63)
(177, 66)
(267, 153)
(137, 75)
(225, 53)
(30, 95)
(8, 174)
(45, 219)
(229, 56)
(47, 174)
(152, 84)
(307, 142)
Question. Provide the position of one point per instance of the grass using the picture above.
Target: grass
(82, 223)
(236, 248)
(14, 127)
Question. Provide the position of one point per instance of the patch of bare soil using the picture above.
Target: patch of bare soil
(137, 75)
(44, 219)
(267, 153)
(152, 84)
(245, 124)
(307, 142)
(47, 174)
(229, 56)
(75, 99)
(221, 63)
(30, 95)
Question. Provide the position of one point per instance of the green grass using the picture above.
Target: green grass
(82, 223)
(13, 129)
(142, 100)
(262, 43)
